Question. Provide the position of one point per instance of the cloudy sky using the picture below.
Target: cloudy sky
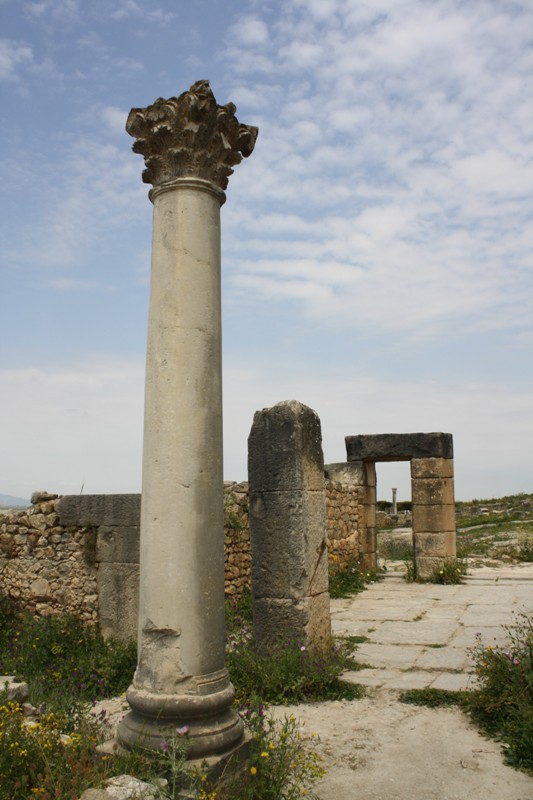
(377, 245)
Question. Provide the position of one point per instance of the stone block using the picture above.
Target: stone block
(118, 600)
(426, 565)
(371, 495)
(370, 516)
(302, 622)
(430, 544)
(432, 491)
(369, 560)
(370, 474)
(399, 446)
(433, 519)
(100, 509)
(368, 540)
(348, 474)
(432, 468)
(285, 449)
(288, 538)
(118, 545)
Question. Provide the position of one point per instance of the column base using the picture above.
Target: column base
(213, 727)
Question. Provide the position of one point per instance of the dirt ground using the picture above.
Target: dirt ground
(380, 749)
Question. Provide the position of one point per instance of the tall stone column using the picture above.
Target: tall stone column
(189, 144)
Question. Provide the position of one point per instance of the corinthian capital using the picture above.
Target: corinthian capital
(190, 136)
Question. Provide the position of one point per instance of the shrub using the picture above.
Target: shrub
(281, 765)
(36, 760)
(290, 673)
(65, 662)
(349, 579)
(451, 571)
(503, 703)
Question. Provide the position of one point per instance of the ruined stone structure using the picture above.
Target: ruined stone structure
(190, 145)
(432, 491)
(80, 553)
(288, 527)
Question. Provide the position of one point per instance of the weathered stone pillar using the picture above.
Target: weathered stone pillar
(394, 510)
(288, 526)
(433, 513)
(189, 144)
(369, 543)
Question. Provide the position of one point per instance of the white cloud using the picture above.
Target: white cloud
(73, 426)
(97, 191)
(394, 152)
(129, 8)
(250, 31)
(13, 55)
(115, 118)
(491, 423)
(63, 11)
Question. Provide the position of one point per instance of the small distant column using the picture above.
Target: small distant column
(288, 527)
(394, 504)
(190, 145)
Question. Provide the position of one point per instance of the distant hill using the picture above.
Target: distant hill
(8, 501)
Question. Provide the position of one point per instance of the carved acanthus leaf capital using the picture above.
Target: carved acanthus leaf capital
(190, 136)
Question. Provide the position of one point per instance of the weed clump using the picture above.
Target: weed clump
(350, 579)
(65, 662)
(503, 703)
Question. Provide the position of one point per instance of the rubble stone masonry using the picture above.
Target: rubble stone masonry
(88, 565)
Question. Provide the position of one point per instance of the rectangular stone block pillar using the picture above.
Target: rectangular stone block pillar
(433, 513)
(369, 558)
(288, 526)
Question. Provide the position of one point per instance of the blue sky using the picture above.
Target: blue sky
(377, 245)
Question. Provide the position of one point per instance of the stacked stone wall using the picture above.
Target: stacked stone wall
(237, 550)
(48, 567)
(345, 517)
(88, 566)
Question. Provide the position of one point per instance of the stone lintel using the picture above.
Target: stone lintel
(399, 446)
(93, 510)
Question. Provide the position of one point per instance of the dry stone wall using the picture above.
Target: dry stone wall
(79, 554)
(49, 567)
(345, 515)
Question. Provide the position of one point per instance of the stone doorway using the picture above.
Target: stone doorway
(432, 492)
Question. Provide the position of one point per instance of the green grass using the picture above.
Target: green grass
(395, 548)
(481, 540)
(503, 703)
(432, 698)
(68, 665)
(64, 662)
(351, 579)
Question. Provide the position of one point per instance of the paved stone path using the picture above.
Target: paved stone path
(420, 635)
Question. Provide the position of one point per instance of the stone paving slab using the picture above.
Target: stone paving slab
(383, 655)
(422, 632)
(403, 620)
